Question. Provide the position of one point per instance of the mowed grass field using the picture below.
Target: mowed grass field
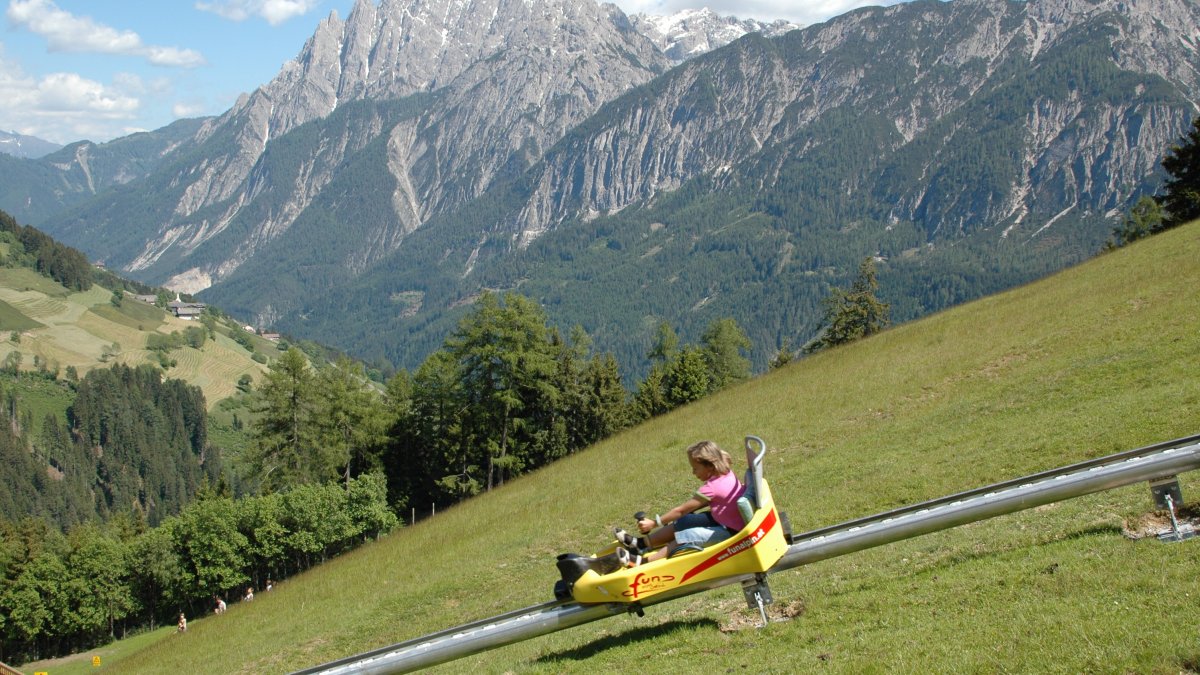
(84, 330)
(1101, 358)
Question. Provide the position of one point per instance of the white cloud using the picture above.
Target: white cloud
(273, 12)
(173, 57)
(65, 32)
(64, 107)
(71, 94)
(184, 109)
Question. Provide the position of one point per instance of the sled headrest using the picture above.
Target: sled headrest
(756, 450)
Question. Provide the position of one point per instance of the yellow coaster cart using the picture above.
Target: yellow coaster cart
(753, 550)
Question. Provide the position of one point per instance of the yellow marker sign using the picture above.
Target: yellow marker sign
(95, 661)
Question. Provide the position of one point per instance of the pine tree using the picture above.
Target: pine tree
(284, 451)
(854, 314)
(722, 343)
(1181, 199)
(1144, 219)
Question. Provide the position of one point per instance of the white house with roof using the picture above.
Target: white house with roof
(185, 310)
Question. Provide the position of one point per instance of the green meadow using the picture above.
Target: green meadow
(51, 327)
(1101, 358)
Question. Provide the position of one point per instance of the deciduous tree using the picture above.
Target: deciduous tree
(211, 547)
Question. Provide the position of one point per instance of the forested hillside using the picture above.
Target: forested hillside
(51, 259)
(105, 459)
(117, 507)
(60, 593)
(132, 443)
(104, 404)
(32, 190)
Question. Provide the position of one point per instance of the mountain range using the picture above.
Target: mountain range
(20, 145)
(625, 171)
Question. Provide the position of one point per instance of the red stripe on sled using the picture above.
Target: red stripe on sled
(744, 544)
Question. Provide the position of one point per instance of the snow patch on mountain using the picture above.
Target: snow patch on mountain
(692, 32)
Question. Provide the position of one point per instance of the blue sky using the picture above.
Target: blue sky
(100, 69)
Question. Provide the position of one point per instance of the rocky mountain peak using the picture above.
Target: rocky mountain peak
(510, 76)
(20, 145)
(692, 32)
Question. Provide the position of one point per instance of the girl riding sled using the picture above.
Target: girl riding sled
(682, 528)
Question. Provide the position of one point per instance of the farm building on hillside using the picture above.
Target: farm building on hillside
(185, 310)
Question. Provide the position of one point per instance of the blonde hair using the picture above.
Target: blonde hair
(711, 454)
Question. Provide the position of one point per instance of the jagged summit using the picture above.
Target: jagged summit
(691, 32)
(421, 135)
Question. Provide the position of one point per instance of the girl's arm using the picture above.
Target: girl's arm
(648, 524)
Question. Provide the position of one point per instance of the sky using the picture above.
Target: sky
(99, 69)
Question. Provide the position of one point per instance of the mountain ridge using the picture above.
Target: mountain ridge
(20, 145)
(583, 121)
(1089, 152)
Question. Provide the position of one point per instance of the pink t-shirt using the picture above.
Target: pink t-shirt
(721, 493)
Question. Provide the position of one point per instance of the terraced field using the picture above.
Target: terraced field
(56, 328)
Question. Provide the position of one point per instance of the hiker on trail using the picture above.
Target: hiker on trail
(681, 527)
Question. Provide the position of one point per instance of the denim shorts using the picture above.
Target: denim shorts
(700, 529)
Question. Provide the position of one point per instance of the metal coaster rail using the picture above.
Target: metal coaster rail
(1150, 463)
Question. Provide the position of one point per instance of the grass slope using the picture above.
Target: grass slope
(1094, 360)
(84, 330)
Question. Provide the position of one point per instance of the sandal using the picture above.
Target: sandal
(628, 559)
(625, 539)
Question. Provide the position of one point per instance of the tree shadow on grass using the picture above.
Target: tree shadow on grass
(627, 638)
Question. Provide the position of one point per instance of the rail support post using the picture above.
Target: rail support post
(758, 594)
(1167, 494)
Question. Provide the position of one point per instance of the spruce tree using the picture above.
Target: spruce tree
(854, 314)
(352, 423)
(687, 378)
(506, 368)
(723, 343)
(1181, 199)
